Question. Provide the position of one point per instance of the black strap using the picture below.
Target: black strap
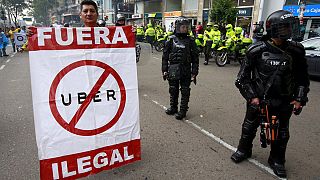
(271, 79)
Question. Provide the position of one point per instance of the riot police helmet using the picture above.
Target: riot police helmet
(101, 23)
(182, 25)
(121, 21)
(281, 24)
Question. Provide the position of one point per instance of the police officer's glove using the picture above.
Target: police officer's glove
(297, 107)
(194, 79)
(165, 76)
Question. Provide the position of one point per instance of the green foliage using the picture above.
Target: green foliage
(41, 10)
(223, 12)
(15, 8)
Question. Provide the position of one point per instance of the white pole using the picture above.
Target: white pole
(260, 10)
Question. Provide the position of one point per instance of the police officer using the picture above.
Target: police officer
(101, 23)
(229, 31)
(180, 65)
(121, 21)
(150, 35)
(280, 79)
(140, 34)
(208, 40)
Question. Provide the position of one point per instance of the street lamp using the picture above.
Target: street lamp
(16, 13)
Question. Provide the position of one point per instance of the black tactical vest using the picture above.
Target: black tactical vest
(180, 51)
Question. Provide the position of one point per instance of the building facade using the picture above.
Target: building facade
(308, 12)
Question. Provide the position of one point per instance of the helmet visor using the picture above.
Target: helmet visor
(183, 27)
(286, 30)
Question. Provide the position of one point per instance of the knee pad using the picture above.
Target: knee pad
(185, 91)
(283, 135)
(173, 90)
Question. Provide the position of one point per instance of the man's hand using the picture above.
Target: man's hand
(297, 108)
(255, 101)
(194, 79)
(165, 75)
(30, 31)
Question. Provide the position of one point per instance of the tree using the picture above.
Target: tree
(41, 10)
(223, 12)
(15, 8)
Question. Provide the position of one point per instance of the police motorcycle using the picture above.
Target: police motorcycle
(159, 44)
(234, 49)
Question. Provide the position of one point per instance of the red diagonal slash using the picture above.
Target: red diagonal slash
(87, 101)
(71, 126)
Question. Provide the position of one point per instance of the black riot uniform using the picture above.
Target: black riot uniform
(277, 75)
(180, 64)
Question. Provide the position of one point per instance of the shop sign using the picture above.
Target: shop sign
(311, 10)
(136, 16)
(172, 14)
(244, 11)
(152, 15)
(190, 13)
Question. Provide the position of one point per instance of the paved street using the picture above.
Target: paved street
(197, 148)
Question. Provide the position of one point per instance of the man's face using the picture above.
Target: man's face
(183, 28)
(89, 15)
(122, 23)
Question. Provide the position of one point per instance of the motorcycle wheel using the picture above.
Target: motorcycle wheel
(221, 58)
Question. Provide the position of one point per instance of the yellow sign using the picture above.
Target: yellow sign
(172, 14)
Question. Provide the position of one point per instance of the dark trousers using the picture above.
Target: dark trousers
(13, 45)
(251, 122)
(184, 84)
(207, 50)
(150, 40)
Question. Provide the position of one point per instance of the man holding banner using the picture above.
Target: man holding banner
(85, 97)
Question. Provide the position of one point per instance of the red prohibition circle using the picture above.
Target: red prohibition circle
(71, 126)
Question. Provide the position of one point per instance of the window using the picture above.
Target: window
(246, 2)
(315, 28)
(206, 4)
(291, 2)
(309, 2)
(313, 44)
(191, 5)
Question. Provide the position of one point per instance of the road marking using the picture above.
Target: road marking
(156, 57)
(2, 67)
(8, 60)
(12, 55)
(220, 141)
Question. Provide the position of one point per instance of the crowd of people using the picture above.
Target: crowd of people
(8, 36)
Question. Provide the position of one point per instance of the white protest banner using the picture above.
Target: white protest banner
(20, 38)
(85, 99)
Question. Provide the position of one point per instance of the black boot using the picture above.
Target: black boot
(205, 62)
(174, 95)
(171, 110)
(239, 156)
(180, 115)
(185, 94)
(278, 168)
